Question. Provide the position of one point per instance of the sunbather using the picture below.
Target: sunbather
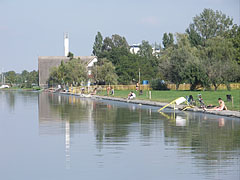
(221, 106)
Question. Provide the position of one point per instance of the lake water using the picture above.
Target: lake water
(54, 137)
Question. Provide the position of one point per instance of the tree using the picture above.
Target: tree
(72, 72)
(105, 73)
(116, 50)
(145, 49)
(107, 44)
(210, 24)
(119, 42)
(219, 61)
(167, 40)
(116, 41)
(33, 77)
(180, 63)
(98, 44)
(234, 36)
(11, 77)
(24, 76)
(54, 77)
(70, 55)
(195, 73)
(194, 37)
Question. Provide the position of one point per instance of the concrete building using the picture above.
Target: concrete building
(46, 63)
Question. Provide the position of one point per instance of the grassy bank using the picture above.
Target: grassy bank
(209, 97)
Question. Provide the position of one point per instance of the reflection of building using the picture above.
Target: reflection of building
(45, 63)
(50, 122)
(56, 109)
(55, 118)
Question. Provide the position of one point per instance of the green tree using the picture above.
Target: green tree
(24, 76)
(194, 37)
(116, 41)
(33, 78)
(119, 41)
(55, 77)
(219, 61)
(180, 63)
(145, 49)
(107, 44)
(105, 73)
(72, 72)
(167, 40)
(70, 55)
(210, 24)
(234, 36)
(11, 77)
(98, 44)
(116, 50)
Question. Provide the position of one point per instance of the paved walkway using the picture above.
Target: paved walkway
(159, 104)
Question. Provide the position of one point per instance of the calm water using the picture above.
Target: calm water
(51, 137)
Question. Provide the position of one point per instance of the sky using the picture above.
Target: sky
(32, 28)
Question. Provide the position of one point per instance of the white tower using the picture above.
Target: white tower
(66, 44)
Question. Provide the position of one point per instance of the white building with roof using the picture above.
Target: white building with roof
(46, 63)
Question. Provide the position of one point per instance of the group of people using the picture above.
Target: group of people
(220, 107)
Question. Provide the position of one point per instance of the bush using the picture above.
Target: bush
(158, 84)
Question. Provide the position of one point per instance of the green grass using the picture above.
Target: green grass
(209, 97)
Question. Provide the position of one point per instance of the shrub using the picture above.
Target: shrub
(158, 84)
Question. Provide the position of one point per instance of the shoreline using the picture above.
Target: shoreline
(227, 113)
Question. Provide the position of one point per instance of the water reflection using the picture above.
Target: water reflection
(211, 142)
(10, 97)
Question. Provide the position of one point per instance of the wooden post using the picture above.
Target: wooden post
(150, 95)
(139, 81)
(232, 102)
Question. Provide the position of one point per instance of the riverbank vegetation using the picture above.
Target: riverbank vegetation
(207, 54)
(24, 80)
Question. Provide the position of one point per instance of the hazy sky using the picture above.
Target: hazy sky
(32, 28)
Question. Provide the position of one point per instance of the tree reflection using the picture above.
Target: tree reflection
(211, 137)
(11, 96)
(204, 137)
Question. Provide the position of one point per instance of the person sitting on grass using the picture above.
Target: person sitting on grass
(94, 91)
(221, 106)
(131, 95)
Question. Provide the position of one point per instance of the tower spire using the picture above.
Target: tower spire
(66, 44)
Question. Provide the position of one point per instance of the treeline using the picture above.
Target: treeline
(207, 54)
(23, 80)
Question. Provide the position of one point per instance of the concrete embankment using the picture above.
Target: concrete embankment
(159, 104)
